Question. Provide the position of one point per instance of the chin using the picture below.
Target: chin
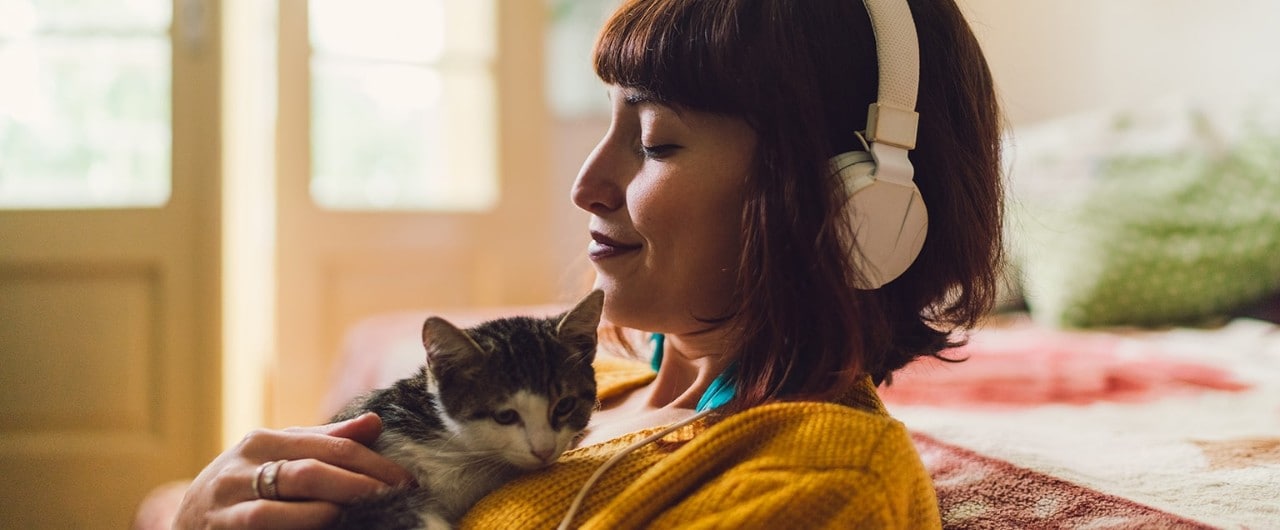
(620, 305)
(612, 303)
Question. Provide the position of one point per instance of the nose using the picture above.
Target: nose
(598, 189)
(544, 453)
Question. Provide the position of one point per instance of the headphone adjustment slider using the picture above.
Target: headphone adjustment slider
(887, 124)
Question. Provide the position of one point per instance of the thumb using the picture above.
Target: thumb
(364, 428)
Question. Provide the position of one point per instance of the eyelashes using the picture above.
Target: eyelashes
(658, 152)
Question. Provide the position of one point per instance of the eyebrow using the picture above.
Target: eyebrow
(637, 96)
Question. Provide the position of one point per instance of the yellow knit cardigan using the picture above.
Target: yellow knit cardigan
(783, 465)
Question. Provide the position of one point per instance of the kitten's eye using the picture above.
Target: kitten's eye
(506, 417)
(565, 406)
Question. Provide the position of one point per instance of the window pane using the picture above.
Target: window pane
(84, 123)
(572, 87)
(396, 30)
(372, 125)
(84, 105)
(402, 105)
(128, 16)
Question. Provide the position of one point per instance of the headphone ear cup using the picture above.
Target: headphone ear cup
(888, 220)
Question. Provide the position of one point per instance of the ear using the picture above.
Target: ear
(444, 342)
(577, 328)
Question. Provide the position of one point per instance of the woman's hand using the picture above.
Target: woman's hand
(324, 467)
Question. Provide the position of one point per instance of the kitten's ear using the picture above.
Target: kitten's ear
(577, 328)
(445, 342)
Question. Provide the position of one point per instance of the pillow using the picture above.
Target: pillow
(1155, 216)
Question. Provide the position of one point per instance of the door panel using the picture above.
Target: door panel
(107, 387)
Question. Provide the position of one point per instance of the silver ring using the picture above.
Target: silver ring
(270, 489)
(257, 479)
(264, 480)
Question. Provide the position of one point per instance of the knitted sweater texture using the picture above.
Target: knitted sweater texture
(782, 465)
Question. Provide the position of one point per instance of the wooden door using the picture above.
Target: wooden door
(337, 264)
(109, 304)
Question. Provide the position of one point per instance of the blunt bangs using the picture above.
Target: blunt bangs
(652, 45)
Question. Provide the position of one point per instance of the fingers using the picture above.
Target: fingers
(311, 443)
(313, 479)
(364, 428)
(324, 467)
(275, 515)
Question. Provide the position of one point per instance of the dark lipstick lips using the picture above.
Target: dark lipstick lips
(603, 246)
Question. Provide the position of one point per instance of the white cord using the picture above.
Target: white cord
(591, 482)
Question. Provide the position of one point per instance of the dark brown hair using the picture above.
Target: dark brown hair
(802, 74)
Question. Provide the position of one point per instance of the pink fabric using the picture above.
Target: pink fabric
(1032, 366)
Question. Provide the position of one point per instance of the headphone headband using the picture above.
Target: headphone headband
(897, 50)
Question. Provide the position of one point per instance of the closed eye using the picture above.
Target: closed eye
(658, 151)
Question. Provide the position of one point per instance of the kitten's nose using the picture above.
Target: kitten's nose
(545, 454)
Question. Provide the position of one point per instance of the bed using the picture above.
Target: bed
(1131, 378)
(1045, 428)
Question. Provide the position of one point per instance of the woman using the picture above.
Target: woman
(716, 223)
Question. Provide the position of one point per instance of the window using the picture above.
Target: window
(403, 101)
(84, 103)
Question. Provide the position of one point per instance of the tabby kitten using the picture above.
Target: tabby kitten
(492, 401)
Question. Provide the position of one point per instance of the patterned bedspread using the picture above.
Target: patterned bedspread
(1043, 428)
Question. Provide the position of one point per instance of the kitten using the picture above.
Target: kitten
(493, 401)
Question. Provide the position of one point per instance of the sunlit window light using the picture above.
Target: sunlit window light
(84, 104)
(402, 97)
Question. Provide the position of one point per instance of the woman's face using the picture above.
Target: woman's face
(665, 190)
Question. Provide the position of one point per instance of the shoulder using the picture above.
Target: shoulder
(817, 434)
(811, 464)
(838, 466)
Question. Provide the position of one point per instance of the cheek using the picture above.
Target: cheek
(722, 213)
(653, 209)
(489, 436)
(565, 439)
(701, 219)
(710, 239)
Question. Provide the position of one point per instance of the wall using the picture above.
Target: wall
(1052, 58)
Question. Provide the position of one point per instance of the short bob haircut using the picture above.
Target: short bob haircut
(802, 73)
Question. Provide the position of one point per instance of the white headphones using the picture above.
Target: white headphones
(885, 207)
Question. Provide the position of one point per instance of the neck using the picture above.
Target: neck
(689, 365)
